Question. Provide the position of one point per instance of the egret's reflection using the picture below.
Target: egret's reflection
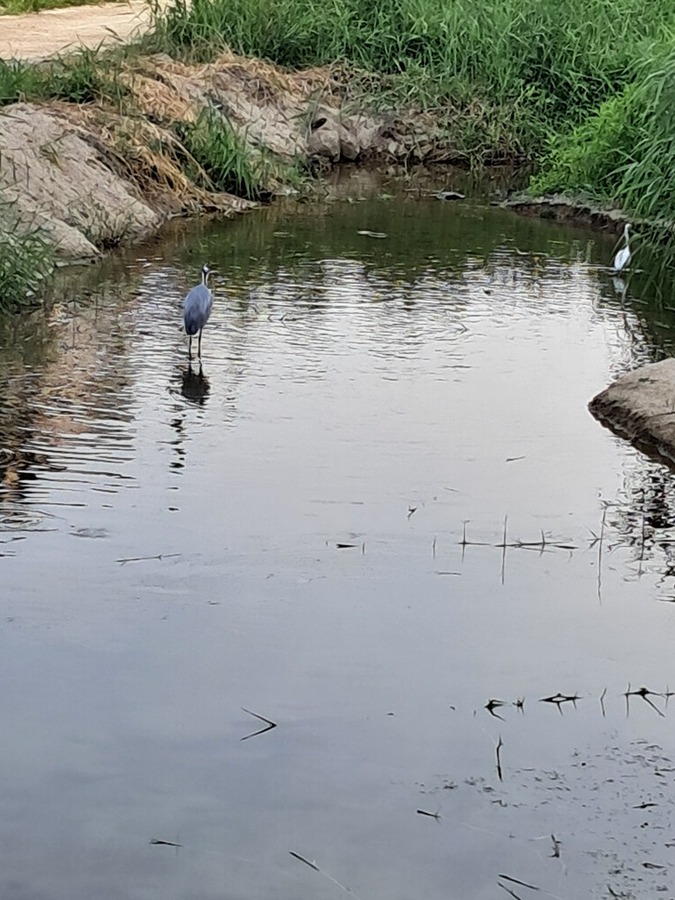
(619, 286)
(195, 385)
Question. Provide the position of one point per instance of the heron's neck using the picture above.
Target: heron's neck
(205, 277)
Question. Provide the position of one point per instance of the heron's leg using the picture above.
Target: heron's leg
(190, 347)
(199, 344)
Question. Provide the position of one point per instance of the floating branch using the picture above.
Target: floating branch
(602, 702)
(555, 853)
(164, 843)
(268, 726)
(520, 704)
(509, 891)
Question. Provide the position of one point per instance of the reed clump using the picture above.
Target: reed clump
(26, 259)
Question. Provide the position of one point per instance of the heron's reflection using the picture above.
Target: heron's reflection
(195, 386)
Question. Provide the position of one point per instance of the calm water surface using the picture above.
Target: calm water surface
(311, 530)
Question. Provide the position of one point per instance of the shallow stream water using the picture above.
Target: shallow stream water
(381, 507)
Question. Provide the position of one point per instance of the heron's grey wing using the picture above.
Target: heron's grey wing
(197, 308)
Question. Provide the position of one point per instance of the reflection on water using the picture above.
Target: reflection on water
(195, 386)
(379, 513)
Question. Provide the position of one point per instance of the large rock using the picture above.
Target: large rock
(641, 406)
(54, 177)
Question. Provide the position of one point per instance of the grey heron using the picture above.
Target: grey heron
(622, 258)
(197, 309)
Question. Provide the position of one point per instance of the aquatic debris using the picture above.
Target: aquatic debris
(555, 853)
(602, 702)
(558, 699)
(645, 693)
(93, 533)
(492, 705)
(341, 546)
(532, 887)
(144, 558)
(313, 865)
(423, 812)
(268, 726)
(499, 758)
(372, 234)
(161, 843)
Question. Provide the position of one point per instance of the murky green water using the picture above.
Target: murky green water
(311, 530)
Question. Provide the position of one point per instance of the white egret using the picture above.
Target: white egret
(622, 258)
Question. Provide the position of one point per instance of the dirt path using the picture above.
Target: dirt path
(34, 36)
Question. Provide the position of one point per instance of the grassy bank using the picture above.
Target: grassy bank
(530, 66)
(582, 88)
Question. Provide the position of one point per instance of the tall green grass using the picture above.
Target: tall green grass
(559, 57)
(624, 153)
(85, 76)
(223, 156)
(26, 259)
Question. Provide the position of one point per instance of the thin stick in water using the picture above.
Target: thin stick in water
(532, 887)
(499, 758)
(316, 868)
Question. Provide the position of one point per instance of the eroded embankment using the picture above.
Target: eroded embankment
(94, 175)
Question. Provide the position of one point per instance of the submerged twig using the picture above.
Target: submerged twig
(423, 812)
(144, 558)
(532, 887)
(503, 572)
(492, 705)
(316, 868)
(499, 758)
(558, 699)
(268, 727)
(602, 702)
(645, 693)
